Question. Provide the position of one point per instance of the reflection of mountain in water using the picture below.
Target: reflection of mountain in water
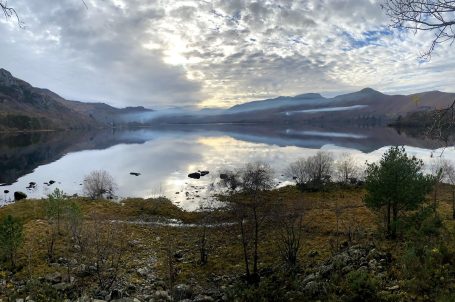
(21, 153)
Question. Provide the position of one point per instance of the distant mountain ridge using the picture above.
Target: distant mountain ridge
(25, 108)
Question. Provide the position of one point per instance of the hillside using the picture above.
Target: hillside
(364, 107)
(25, 108)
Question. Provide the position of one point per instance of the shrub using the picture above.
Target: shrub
(11, 237)
(99, 184)
(361, 287)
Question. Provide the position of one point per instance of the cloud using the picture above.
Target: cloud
(216, 53)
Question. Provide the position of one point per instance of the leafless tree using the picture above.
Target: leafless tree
(9, 11)
(289, 222)
(251, 208)
(436, 16)
(99, 184)
(104, 250)
(299, 172)
(438, 170)
(449, 177)
(346, 168)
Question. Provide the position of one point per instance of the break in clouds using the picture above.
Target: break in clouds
(215, 53)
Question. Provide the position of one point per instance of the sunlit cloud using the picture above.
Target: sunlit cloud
(216, 53)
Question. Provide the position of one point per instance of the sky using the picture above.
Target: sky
(201, 53)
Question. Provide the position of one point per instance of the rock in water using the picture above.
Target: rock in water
(19, 195)
(135, 173)
(195, 175)
(204, 173)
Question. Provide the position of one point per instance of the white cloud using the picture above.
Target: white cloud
(216, 53)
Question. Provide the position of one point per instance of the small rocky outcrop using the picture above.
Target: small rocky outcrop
(195, 175)
(18, 195)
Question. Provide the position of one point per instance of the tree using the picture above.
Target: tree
(9, 11)
(346, 168)
(290, 231)
(449, 177)
(99, 184)
(314, 171)
(437, 16)
(55, 207)
(251, 208)
(395, 185)
(438, 170)
(299, 171)
(11, 236)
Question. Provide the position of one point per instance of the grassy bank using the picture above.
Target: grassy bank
(332, 219)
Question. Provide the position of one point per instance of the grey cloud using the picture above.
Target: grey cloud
(233, 51)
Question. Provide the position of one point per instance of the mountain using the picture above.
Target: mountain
(24, 108)
(282, 101)
(367, 107)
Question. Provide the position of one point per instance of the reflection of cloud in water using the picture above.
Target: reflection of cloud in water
(326, 134)
(327, 109)
(165, 161)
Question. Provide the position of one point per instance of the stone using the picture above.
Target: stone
(62, 286)
(203, 298)
(393, 288)
(143, 271)
(315, 289)
(19, 195)
(313, 254)
(53, 278)
(182, 291)
(195, 175)
(162, 296)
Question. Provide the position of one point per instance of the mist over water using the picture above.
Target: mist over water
(164, 157)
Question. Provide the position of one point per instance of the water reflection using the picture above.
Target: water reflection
(164, 157)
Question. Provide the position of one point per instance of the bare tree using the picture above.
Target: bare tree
(251, 208)
(436, 16)
(315, 171)
(438, 170)
(346, 168)
(9, 11)
(449, 177)
(290, 231)
(299, 172)
(99, 184)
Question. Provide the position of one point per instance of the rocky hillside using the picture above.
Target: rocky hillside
(24, 108)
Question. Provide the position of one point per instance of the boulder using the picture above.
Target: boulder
(182, 291)
(19, 195)
(315, 289)
(53, 278)
(203, 298)
(195, 175)
(162, 296)
(204, 173)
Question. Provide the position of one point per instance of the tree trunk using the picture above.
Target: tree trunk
(256, 239)
(245, 250)
(394, 221)
(453, 204)
(389, 231)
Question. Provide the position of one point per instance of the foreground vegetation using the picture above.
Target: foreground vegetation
(318, 240)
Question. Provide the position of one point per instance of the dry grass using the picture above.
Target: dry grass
(225, 257)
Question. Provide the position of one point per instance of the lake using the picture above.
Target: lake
(164, 156)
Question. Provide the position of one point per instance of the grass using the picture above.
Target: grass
(225, 255)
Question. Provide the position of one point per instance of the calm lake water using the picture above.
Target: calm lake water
(164, 157)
